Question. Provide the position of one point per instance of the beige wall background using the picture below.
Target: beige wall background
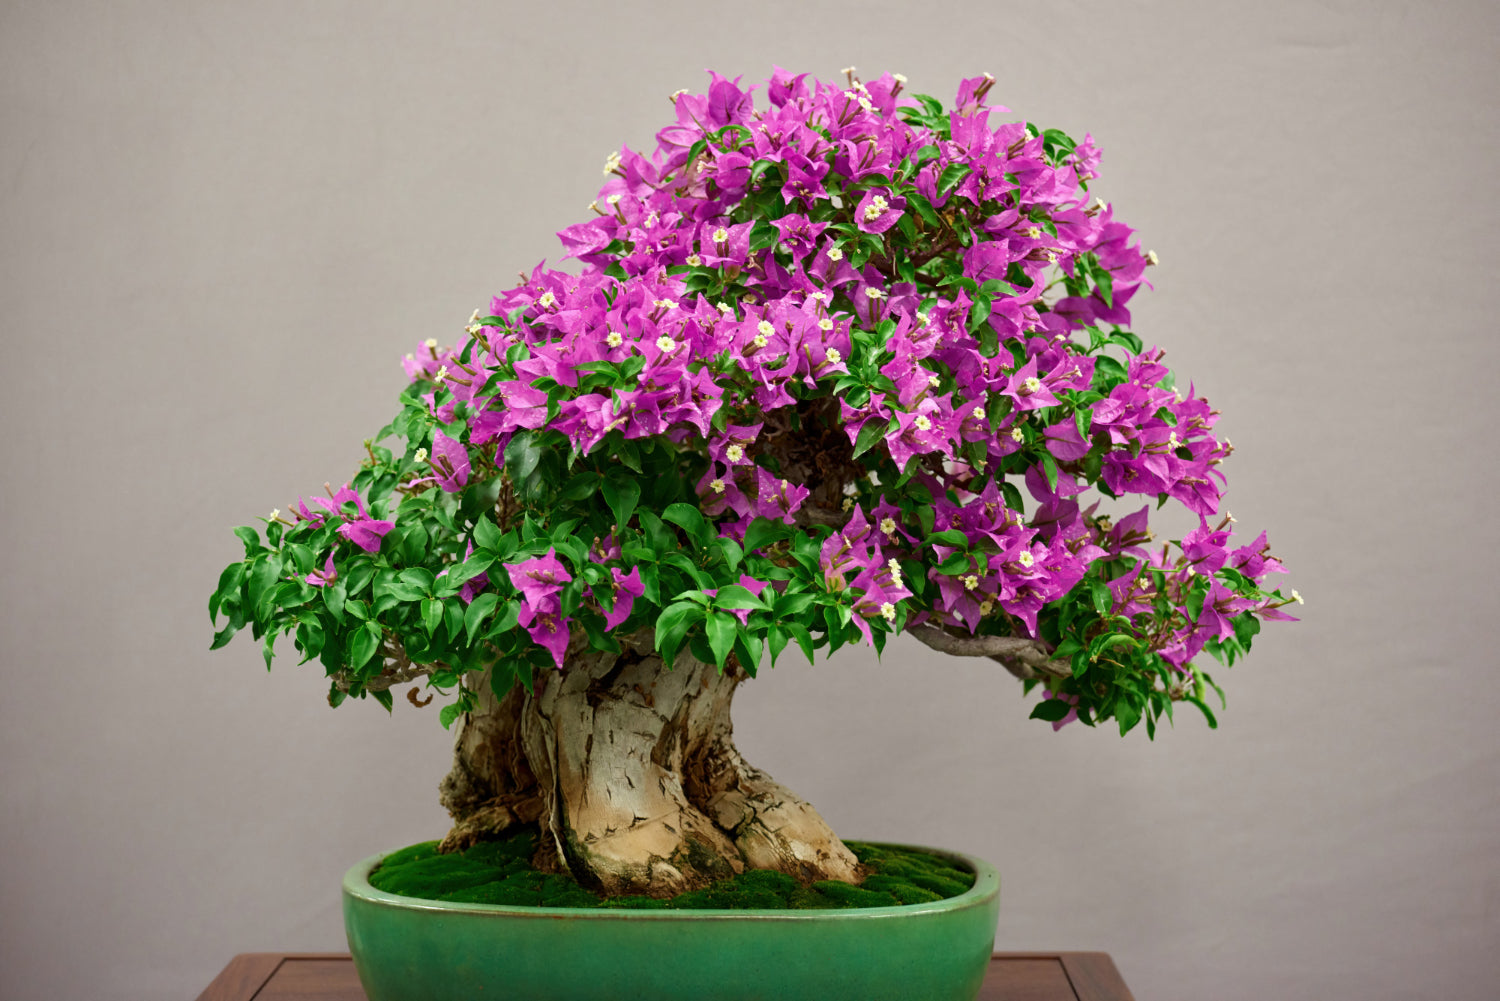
(221, 224)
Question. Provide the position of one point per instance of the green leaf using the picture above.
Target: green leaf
(522, 454)
(1049, 466)
(721, 629)
(250, 537)
(690, 519)
(486, 535)
(479, 609)
(1051, 710)
(229, 584)
(948, 537)
(449, 713)
(622, 493)
(952, 176)
(224, 635)
(432, 614)
(737, 596)
(872, 432)
(363, 644)
(1103, 599)
(763, 532)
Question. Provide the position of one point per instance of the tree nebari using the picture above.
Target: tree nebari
(631, 772)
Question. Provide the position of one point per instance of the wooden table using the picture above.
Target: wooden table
(1013, 976)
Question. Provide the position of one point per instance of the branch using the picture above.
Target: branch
(1025, 658)
(398, 669)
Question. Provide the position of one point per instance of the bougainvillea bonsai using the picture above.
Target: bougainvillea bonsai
(839, 365)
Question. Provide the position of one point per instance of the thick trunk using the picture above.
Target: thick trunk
(633, 776)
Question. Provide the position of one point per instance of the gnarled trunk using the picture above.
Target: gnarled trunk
(631, 771)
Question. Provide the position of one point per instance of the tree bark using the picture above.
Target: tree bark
(632, 774)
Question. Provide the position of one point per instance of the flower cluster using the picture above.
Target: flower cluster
(818, 345)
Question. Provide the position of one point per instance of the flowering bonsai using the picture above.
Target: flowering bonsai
(837, 366)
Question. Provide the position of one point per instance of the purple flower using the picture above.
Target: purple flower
(547, 626)
(324, 577)
(538, 579)
(628, 587)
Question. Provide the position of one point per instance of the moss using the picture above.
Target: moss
(498, 872)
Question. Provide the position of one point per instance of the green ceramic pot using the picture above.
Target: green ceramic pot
(408, 949)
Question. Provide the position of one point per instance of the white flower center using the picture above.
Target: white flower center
(765, 327)
(693, 260)
(825, 324)
(922, 423)
(665, 343)
(971, 582)
(834, 357)
(717, 485)
(978, 413)
(420, 457)
(888, 527)
(721, 235)
(874, 293)
(1016, 435)
(1032, 384)
(734, 453)
(612, 200)
(760, 341)
(888, 611)
(1026, 559)
(614, 339)
(835, 254)
(611, 163)
(430, 344)
(986, 607)
(547, 301)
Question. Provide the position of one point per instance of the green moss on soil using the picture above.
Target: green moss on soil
(499, 872)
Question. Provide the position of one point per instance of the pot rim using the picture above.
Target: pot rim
(986, 886)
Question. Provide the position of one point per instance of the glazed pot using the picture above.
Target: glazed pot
(409, 949)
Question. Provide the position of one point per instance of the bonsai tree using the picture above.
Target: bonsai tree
(836, 367)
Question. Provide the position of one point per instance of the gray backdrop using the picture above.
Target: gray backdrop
(222, 224)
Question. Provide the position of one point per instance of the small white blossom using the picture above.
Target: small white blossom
(888, 525)
(825, 324)
(430, 344)
(835, 254)
(978, 413)
(474, 316)
(678, 93)
(888, 611)
(1151, 257)
(1016, 435)
(899, 77)
(665, 304)
(721, 235)
(894, 566)
(547, 301)
(420, 457)
(834, 357)
(665, 343)
(275, 513)
(1297, 597)
(1032, 232)
(717, 485)
(922, 423)
(611, 163)
(933, 381)
(986, 607)
(874, 293)
(1026, 559)
(442, 373)
(765, 328)
(971, 581)
(693, 260)
(1032, 384)
(760, 341)
(725, 308)
(613, 199)
(734, 453)
(614, 339)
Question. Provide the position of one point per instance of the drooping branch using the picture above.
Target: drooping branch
(1025, 658)
(398, 669)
